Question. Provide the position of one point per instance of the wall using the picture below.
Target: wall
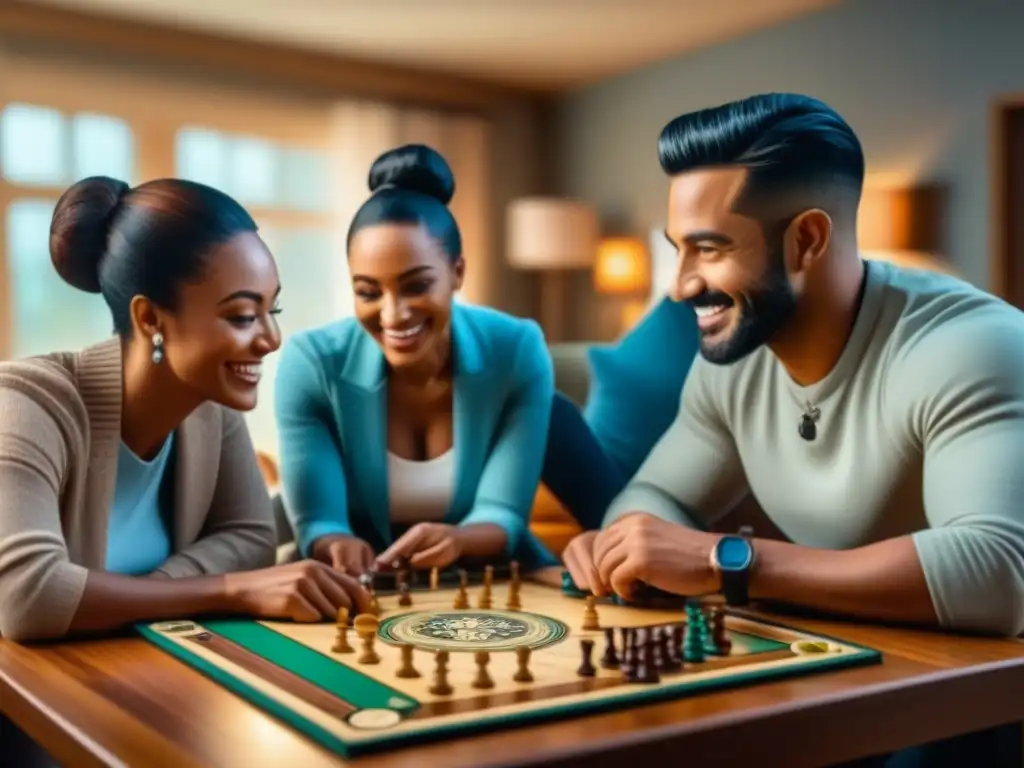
(916, 80)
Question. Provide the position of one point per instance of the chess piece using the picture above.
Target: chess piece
(586, 667)
(441, 686)
(435, 577)
(374, 604)
(485, 593)
(610, 659)
(513, 603)
(404, 598)
(693, 640)
(366, 627)
(590, 622)
(461, 599)
(656, 642)
(645, 671)
(523, 674)
(407, 670)
(719, 635)
(483, 678)
(341, 644)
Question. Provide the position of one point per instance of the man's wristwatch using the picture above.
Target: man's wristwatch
(732, 557)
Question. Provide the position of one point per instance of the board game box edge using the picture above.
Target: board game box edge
(559, 712)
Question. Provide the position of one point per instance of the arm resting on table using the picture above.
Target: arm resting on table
(239, 532)
(511, 474)
(312, 475)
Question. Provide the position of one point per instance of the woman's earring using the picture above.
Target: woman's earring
(158, 348)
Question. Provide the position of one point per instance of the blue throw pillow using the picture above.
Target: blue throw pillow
(636, 383)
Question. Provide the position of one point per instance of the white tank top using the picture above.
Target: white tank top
(420, 491)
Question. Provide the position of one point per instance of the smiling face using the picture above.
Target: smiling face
(404, 283)
(736, 280)
(224, 324)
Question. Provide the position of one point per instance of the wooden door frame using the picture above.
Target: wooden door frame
(1002, 275)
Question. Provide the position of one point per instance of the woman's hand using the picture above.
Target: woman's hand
(306, 591)
(425, 545)
(347, 554)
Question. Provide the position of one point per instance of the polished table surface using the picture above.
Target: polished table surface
(122, 701)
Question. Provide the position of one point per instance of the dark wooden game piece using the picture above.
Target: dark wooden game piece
(610, 659)
(630, 662)
(523, 674)
(586, 668)
(645, 671)
(441, 686)
(404, 598)
(677, 642)
(656, 645)
(483, 678)
(407, 670)
(719, 635)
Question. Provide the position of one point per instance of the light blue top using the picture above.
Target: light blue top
(331, 404)
(138, 536)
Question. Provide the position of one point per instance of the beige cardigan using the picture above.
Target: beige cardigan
(60, 430)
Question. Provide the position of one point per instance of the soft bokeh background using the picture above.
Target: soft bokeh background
(284, 105)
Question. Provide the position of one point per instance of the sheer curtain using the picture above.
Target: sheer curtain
(314, 273)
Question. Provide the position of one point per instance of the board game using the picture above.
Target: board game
(435, 660)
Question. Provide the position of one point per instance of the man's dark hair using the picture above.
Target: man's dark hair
(799, 152)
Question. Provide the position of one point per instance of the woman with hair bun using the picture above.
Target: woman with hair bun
(129, 488)
(415, 430)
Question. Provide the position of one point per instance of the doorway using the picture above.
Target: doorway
(1008, 202)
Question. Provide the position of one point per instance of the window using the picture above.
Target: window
(46, 313)
(43, 151)
(287, 189)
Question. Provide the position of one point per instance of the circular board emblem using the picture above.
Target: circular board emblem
(374, 719)
(472, 630)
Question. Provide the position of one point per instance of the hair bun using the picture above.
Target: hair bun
(80, 228)
(415, 168)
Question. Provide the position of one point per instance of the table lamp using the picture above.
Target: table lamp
(623, 268)
(552, 236)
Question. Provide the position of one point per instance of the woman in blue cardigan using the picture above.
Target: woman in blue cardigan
(417, 428)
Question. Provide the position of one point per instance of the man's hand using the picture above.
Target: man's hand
(642, 548)
(425, 545)
(578, 557)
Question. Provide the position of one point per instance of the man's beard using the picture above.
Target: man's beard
(763, 310)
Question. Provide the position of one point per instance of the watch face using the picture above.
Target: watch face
(733, 553)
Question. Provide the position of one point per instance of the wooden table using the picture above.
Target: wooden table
(124, 702)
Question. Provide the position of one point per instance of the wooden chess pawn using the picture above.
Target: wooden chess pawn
(407, 670)
(404, 598)
(590, 622)
(523, 674)
(485, 597)
(483, 678)
(341, 644)
(461, 599)
(366, 627)
(441, 686)
(513, 603)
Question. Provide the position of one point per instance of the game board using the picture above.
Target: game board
(291, 671)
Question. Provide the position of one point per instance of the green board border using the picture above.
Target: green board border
(610, 702)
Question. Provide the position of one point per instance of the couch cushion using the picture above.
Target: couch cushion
(636, 383)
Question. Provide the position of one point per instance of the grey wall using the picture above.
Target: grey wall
(915, 78)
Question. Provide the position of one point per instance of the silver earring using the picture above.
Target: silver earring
(158, 348)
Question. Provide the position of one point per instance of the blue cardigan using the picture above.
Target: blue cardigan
(331, 407)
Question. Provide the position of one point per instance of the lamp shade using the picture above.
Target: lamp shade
(551, 233)
(906, 219)
(622, 266)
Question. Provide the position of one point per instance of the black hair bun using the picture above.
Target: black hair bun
(415, 168)
(80, 228)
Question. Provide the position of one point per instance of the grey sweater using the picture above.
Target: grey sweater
(921, 433)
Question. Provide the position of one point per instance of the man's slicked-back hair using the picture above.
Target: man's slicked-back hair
(790, 145)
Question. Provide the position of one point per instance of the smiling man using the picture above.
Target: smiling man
(876, 414)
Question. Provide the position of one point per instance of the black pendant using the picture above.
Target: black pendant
(808, 429)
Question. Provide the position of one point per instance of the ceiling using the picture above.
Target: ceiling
(540, 44)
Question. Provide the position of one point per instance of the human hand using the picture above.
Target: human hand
(643, 548)
(578, 557)
(306, 591)
(343, 553)
(425, 545)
